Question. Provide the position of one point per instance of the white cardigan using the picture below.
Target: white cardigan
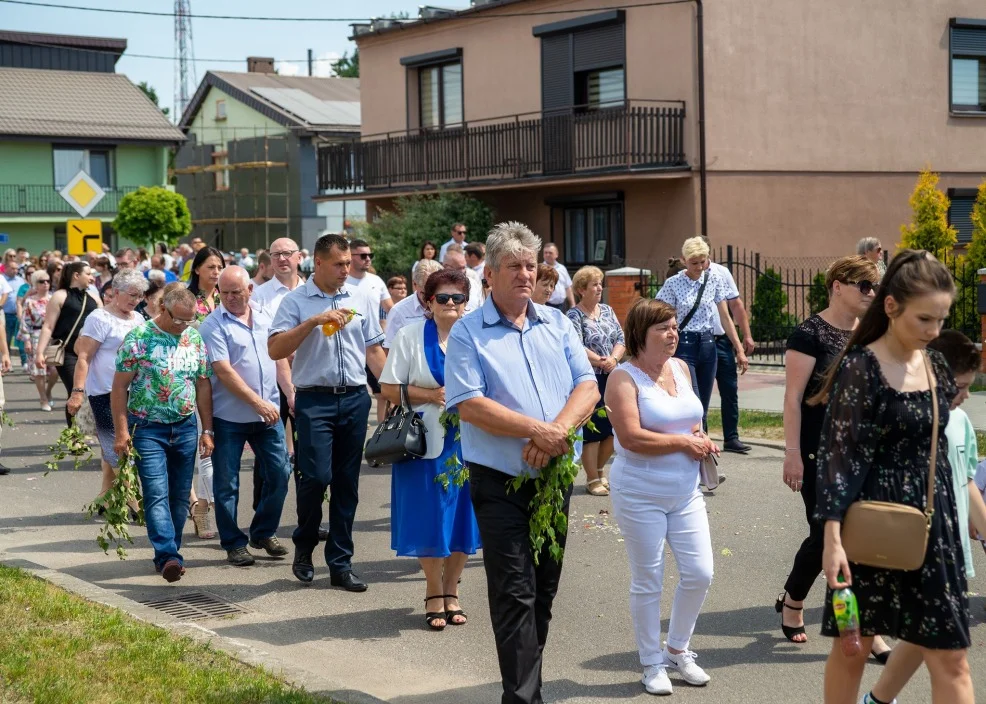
(407, 364)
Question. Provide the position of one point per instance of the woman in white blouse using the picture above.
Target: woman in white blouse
(657, 419)
(431, 519)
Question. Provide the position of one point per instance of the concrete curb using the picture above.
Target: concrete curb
(757, 442)
(241, 651)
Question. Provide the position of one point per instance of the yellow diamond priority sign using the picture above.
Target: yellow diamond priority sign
(85, 236)
(82, 193)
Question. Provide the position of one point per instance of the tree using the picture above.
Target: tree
(347, 67)
(397, 235)
(768, 321)
(152, 96)
(818, 294)
(929, 228)
(153, 214)
(976, 254)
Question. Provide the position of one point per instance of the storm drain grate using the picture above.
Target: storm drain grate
(192, 607)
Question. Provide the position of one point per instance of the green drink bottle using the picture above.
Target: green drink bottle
(847, 619)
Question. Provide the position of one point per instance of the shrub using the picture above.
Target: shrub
(153, 214)
(768, 319)
(818, 295)
(929, 228)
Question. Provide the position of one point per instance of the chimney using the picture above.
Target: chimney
(260, 64)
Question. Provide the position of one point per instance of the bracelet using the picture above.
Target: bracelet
(78, 391)
(792, 449)
(209, 433)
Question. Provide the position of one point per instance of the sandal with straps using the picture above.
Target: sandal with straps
(450, 614)
(789, 631)
(596, 487)
(432, 617)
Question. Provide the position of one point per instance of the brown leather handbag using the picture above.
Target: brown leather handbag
(888, 535)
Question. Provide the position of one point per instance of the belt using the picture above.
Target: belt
(693, 334)
(337, 390)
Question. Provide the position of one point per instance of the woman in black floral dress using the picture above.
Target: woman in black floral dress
(876, 445)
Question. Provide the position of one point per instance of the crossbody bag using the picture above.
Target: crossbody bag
(55, 351)
(698, 301)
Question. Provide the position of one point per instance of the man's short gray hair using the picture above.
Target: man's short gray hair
(867, 244)
(425, 268)
(178, 296)
(510, 239)
(157, 276)
(130, 280)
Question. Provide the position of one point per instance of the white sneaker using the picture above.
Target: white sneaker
(684, 663)
(655, 680)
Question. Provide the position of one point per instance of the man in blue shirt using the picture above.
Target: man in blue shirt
(520, 379)
(331, 403)
(245, 408)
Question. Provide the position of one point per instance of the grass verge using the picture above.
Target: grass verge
(57, 647)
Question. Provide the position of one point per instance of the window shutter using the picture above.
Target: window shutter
(968, 42)
(960, 217)
(557, 75)
(601, 47)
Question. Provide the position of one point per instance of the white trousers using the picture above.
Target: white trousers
(645, 522)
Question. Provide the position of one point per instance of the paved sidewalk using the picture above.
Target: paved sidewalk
(374, 647)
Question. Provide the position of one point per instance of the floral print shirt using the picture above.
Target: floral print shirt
(166, 367)
(601, 335)
(202, 309)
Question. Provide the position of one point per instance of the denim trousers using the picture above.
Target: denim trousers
(165, 463)
(698, 351)
(728, 383)
(13, 326)
(331, 435)
(268, 442)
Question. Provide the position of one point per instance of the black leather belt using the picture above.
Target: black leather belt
(336, 390)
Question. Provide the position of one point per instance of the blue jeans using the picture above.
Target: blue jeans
(698, 351)
(728, 384)
(331, 435)
(267, 442)
(165, 464)
(13, 325)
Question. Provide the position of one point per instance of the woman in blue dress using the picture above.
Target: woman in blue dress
(431, 520)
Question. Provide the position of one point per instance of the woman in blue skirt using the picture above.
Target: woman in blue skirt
(432, 518)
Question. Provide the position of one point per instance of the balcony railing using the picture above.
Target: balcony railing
(633, 135)
(45, 200)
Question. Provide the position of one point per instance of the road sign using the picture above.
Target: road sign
(85, 236)
(4, 238)
(82, 193)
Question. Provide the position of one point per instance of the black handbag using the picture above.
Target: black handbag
(399, 438)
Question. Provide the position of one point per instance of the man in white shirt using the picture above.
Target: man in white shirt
(375, 289)
(458, 237)
(455, 259)
(245, 260)
(562, 294)
(265, 270)
(411, 308)
(476, 257)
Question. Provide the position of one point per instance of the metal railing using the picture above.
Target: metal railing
(45, 200)
(630, 135)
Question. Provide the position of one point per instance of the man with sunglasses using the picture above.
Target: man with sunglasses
(458, 237)
(162, 378)
(361, 278)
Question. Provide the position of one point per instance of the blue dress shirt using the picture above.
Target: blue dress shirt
(228, 339)
(338, 360)
(532, 371)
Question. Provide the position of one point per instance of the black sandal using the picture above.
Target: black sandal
(789, 631)
(451, 613)
(881, 657)
(431, 617)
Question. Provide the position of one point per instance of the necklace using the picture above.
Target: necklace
(593, 314)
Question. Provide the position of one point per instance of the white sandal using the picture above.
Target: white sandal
(596, 487)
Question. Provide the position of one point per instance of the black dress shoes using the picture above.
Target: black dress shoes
(4, 470)
(303, 568)
(736, 446)
(348, 581)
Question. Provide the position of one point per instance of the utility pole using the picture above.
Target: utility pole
(310, 61)
(184, 56)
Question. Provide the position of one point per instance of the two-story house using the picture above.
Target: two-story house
(63, 109)
(249, 170)
(785, 126)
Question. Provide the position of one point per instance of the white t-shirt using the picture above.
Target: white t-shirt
(403, 313)
(727, 276)
(270, 294)
(444, 250)
(372, 285)
(109, 331)
(559, 295)
(4, 286)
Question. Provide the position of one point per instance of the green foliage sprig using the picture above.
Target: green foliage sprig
(71, 443)
(456, 473)
(116, 503)
(5, 419)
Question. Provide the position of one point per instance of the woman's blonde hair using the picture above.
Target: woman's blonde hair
(584, 277)
(694, 247)
(851, 269)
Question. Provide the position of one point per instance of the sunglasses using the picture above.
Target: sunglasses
(365, 255)
(456, 298)
(44, 281)
(865, 287)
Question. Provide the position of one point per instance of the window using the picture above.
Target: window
(440, 95)
(960, 212)
(967, 39)
(220, 110)
(593, 234)
(97, 162)
(602, 88)
(222, 174)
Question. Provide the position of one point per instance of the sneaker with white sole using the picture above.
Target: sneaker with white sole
(684, 663)
(866, 700)
(655, 680)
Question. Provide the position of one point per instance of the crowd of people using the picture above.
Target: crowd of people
(191, 371)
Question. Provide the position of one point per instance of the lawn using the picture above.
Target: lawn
(58, 647)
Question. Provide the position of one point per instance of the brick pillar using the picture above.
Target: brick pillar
(622, 291)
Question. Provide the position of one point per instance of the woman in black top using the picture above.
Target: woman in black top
(67, 310)
(811, 350)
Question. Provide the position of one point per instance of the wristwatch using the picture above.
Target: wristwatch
(78, 391)
(209, 433)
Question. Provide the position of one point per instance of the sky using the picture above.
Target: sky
(287, 42)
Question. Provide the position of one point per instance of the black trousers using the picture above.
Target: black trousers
(258, 476)
(808, 560)
(66, 373)
(520, 592)
(728, 383)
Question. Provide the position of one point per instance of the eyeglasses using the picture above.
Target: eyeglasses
(456, 298)
(865, 287)
(178, 321)
(284, 255)
(365, 255)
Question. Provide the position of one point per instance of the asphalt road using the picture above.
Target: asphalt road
(375, 647)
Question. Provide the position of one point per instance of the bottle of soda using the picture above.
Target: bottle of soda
(331, 328)
(847, 619)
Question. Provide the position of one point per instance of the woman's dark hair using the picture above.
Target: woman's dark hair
(642, 315)
(912, 273)
(674, 266)
(200, 257)
(152, 288)
(854, 268)
(161, 248)
(959, 352)
(52, 267)
(396, 281)
(68, 273)
(428, 243)
(446, 277)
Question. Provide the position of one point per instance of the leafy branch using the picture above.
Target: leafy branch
(5, 419)
(456, 474)
(71, 443)
(116, 503)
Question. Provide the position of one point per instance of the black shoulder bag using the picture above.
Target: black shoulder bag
(698, 301)
(401, 437)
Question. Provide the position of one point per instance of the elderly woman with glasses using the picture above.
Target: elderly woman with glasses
(33, 308)
(101, 337)
(871, 248)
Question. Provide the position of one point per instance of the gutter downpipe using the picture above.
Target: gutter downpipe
(703, 185)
